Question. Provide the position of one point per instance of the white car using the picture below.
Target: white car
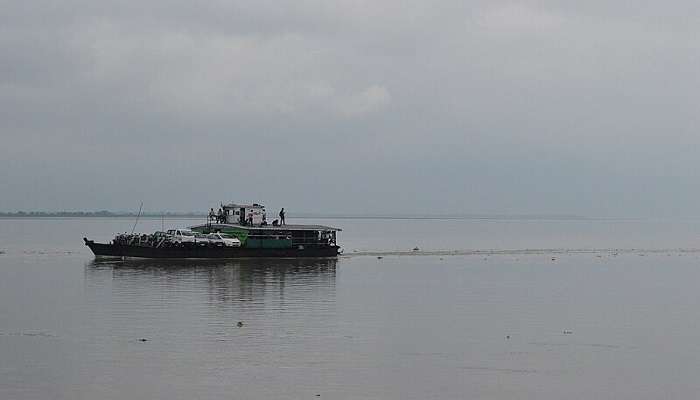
(222, 238)
(182, 235)
(202, 239)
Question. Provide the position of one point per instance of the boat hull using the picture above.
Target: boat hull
(192, 251)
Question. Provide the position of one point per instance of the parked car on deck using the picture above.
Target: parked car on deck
(202, 239)
(182, 235)
(224, 239)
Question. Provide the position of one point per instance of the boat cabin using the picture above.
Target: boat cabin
(244, 214)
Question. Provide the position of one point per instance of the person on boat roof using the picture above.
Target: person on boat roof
(282, 222)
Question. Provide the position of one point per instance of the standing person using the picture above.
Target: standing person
(282, 217)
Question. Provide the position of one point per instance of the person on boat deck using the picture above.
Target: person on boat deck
(250, 219)
(211, 215)
(220, 216)
(282, 222)
(264, 221)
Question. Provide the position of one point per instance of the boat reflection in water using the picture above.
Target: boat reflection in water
(210, 291)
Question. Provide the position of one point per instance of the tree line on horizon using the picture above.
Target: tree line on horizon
(101, 213)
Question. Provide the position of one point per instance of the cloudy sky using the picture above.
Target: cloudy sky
(555, 107)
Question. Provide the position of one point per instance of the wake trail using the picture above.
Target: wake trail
(509, 252)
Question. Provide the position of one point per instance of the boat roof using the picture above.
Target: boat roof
(236, 205)
(273, 228)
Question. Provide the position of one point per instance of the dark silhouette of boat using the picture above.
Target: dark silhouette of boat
(196, 250)
(239, 231)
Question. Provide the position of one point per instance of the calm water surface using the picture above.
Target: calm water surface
(612, 324)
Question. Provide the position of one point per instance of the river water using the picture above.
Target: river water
(486, 309)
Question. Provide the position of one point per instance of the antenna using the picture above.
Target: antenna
(137, 218)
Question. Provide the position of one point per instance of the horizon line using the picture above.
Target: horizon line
(307, 214)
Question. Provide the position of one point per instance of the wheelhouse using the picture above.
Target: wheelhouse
(244, 214)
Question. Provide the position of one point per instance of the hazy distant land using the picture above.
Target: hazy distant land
(97, 214)
(175, 214)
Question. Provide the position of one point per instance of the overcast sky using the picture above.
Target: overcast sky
(555, 107)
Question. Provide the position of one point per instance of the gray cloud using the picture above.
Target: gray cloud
(524, 107)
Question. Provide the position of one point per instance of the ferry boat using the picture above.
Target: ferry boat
(245, 223)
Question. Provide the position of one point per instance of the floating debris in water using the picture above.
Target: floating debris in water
(379, 257)
(240, 324)
(507, 336)
(568, 332)
(29, 333)
(554, 259)
(547, 253)
(143, 340)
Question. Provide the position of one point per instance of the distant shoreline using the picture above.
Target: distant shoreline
(95, 214)
(301, 215)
